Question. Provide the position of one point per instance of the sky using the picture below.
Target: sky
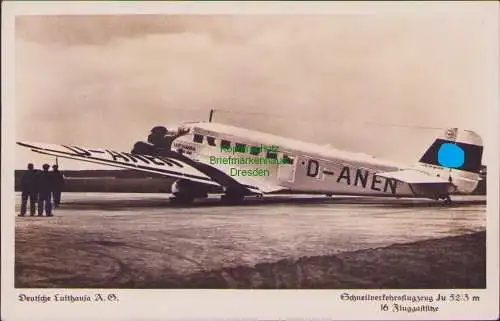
(104, 81)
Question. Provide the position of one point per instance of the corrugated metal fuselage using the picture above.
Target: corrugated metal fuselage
(310, 172)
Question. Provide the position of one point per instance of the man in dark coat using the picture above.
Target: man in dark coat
(36, 179)
(28, 190)
(45, 191)
(57, 185)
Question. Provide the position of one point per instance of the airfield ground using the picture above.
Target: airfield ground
(102, 240)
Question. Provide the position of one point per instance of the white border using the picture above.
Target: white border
(234, 304)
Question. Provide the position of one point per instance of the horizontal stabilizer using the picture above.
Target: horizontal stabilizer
(413, 176)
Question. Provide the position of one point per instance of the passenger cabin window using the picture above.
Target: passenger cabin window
(211, 141)
(225, 144)
(287, 160)
(272, 155)
(254, 150)
(198, 138)
(240, 148)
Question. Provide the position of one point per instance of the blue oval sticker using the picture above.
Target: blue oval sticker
(451, 155)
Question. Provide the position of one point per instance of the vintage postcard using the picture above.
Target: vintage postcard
(243, 160)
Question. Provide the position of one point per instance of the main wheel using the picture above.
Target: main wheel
(182, 199)
(185, 191)
(232, 198)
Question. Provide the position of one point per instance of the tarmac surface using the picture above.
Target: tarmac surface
(135, 240)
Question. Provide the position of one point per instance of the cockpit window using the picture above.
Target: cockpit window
(211, 141)
(198, 138)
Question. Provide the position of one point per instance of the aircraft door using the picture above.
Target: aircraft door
(286, 169)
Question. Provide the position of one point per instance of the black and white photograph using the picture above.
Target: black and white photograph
(191, 150)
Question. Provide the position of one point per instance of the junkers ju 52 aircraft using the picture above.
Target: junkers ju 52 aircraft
(242, 162)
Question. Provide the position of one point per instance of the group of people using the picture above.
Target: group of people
(39, 187)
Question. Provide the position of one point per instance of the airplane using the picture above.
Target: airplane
(241, 162)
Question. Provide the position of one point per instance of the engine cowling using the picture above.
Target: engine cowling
(144, 148)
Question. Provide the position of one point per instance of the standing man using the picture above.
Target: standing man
(45, 191)
(57, 184)
(36, 180)
(28, 190)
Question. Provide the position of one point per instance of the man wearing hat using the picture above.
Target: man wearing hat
(28, 190)
(45, 186)
(57, 184)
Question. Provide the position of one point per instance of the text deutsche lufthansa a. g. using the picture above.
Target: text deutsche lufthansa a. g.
(68, 298)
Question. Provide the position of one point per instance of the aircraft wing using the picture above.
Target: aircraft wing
(412, 176)
(167, 166)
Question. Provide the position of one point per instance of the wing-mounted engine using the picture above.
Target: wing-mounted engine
(159, 141)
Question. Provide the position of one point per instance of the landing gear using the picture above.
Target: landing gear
(185, 192)
(232, 198)
(446, 198)
(182, 199)
(329, 194)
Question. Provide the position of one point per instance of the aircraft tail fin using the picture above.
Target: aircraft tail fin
(457, 156)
